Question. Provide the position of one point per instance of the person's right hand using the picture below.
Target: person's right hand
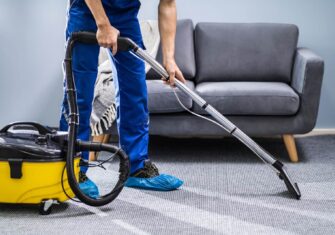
(107, 37)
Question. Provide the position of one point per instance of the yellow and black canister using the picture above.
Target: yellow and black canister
(32, 165)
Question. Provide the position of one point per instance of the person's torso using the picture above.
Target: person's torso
(111, 6)
(122, 15)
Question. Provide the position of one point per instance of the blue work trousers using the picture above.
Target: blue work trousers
(130, 85)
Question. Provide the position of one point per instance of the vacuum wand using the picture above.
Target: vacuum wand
(276, 165)
(228, 125)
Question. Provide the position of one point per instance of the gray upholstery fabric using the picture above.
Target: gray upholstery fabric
(161, 98)
(307, 80)
(184, 51)
(245, 52)
(185, 125)
(305, 59)
(308, 70)
(249, 98)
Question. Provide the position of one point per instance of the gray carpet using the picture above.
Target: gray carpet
(227, 191)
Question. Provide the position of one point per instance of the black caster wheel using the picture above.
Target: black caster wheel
(46, 206)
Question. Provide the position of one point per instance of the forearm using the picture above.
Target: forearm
(98, 12)
(106, 33)
(167, 18)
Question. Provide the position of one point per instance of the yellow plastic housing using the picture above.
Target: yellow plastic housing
(40, 181)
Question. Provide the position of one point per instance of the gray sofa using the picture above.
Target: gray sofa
(253, 73)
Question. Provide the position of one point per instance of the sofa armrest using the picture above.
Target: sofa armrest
(308, 70)
(306, 81)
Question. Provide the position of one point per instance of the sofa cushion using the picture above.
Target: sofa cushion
(161, 98)
(245, 52)
(249, 98)
(184, 51)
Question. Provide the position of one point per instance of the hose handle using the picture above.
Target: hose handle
(123, 43)
(42, 130)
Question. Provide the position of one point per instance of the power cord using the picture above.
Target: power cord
(193, 113)
(90, 165)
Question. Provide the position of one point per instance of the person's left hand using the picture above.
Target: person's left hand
(174, 72)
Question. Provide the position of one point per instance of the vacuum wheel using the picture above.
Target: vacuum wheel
(45, 207)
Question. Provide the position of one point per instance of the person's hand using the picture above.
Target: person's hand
(174, 72)
(107, 37)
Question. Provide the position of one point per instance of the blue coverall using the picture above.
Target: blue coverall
(130, 85)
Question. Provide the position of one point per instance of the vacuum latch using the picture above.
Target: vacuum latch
(15, 166)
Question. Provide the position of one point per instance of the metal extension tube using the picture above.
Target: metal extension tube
(228, 125)
(276, 165)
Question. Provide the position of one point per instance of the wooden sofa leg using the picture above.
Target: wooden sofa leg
(99, 138)
(291, 147)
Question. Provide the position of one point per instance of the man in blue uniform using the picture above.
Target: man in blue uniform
(110, 19)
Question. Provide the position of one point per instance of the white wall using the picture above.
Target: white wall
(31, 53)
(32, 47)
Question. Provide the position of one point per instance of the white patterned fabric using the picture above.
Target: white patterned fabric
(103, 110)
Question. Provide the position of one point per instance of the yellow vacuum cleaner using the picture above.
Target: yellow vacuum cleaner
(39, 165)
(32, 166)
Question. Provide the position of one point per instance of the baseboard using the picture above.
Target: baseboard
(319, 131)
(314, 132)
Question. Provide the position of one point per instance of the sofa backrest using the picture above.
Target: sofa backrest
(184, 51)
(245, 52)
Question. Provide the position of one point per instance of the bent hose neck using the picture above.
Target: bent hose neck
(73, 145)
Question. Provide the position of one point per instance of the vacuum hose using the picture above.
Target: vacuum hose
(75, 145)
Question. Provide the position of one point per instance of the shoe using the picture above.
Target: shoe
(87, 186)
(148, 171)
(149, 178)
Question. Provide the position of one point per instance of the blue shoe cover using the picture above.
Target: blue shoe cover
(89, 188)
(158, 183)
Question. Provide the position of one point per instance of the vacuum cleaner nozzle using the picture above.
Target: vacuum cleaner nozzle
(292, 187)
